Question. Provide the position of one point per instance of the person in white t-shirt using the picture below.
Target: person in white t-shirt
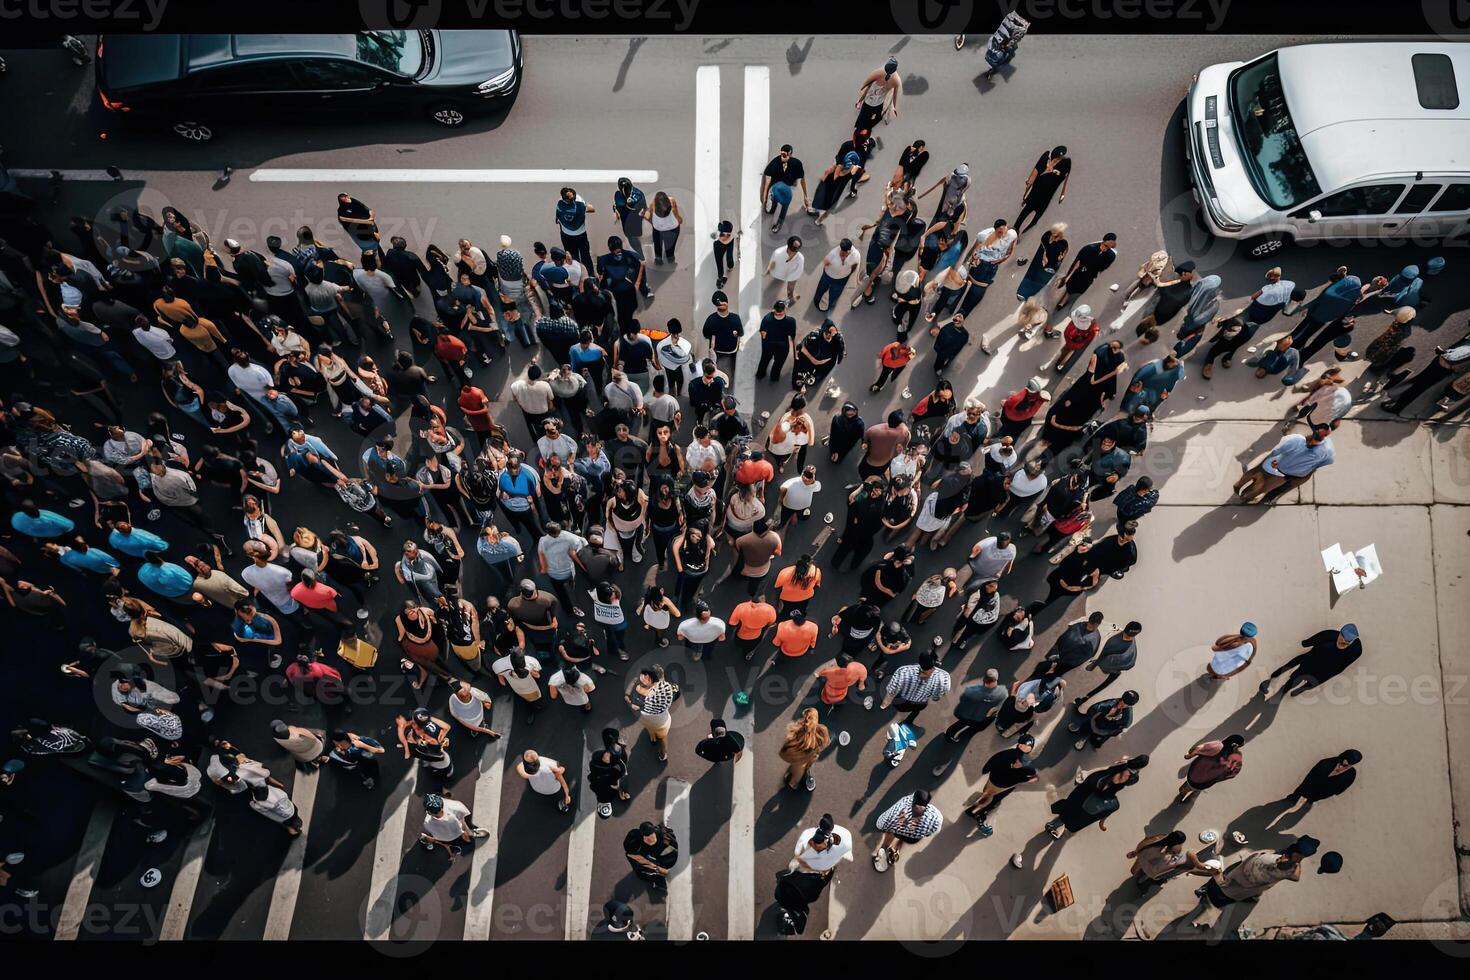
(520, 673)
(701, 631)
(821, 848)
(467, 705)
(572, 686)
(546, 776)
(447, 825)
(273, 803)
(797, 495)
(787, 265)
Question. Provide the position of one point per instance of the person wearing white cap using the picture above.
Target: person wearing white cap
(1232, 653)
(1328, 653)
(952, 201)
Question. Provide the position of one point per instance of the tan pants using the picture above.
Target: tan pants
(795, 773)
(1256, 482)
(657, 727)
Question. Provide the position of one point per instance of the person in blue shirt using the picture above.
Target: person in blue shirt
(1287, 466)
(630, 204)
(1159, 377)
(82, 558)
(520, 491)
(37, 523)
(134, 541)
(250, 625)
(621, 272)
(571, 222)
(167, 579)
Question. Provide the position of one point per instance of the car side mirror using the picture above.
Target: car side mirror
(1314, 216)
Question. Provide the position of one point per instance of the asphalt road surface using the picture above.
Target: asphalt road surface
(705, 114)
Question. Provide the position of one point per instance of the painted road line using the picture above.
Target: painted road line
(186, 883)
(754, 144)
(289, 175)
(388, 858)
(835, 909)
(579, 857)
(742, 829)
(288, 880)
(84, 877)
(486, 813)
(995, 366)
(706, 189)
(681, 878)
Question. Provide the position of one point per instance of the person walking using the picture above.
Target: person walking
(909, 821)
(1005, 770)
(447, 824)
(1252, 876)
(819, 850)
(1211, 761)
(652, 698)
(1119, 653)
(356, 753)
(778, 184)
(1287, 466)
(652, 851)
(546, 777)
(786, 266)
(1092, 260)
(878, 96)
(426, 738)
(1092, 801)
(806, 739)
(1051, 173)
(1232, 653)
(1107, 719)
(1327, 778)
(606, 771)
(914, 686)
(722, 745)
(1159, 857)
(838, 265)
(1328, 653)
(976, 709)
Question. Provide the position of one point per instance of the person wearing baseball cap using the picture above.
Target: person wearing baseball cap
(447, 825)
(778, 335)
(1232, 653)
(1020, 407)
(1007, 769)
(1327, 654)
(723, 331)
(778, 182)
(1253, 876)
(1091, 261)
(878, 95)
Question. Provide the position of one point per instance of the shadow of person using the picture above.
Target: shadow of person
(1229, 919)
(1262, 824)
(1212, 527)
(781, 815)
(1119, 909)
(634, 43)
(1002, 909)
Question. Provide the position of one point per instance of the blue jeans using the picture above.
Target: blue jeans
(520, 329)
(616, 638)
(832, 288)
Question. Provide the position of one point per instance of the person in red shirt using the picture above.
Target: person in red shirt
(451, 352)
(319, 597)
(315, 679)
(755, 469)
(1020, 407)
(475, 405)
(751, 619)
(838, 677)
(892, 359)
(1077, 336)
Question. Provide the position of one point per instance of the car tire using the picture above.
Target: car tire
(1266, 245)
(448, 116)
(192, 131)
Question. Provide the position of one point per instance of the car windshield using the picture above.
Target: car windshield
(1269, 143)
(397, 51)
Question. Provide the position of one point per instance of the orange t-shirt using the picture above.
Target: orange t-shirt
(791, 592)
(839, 679)
(794, 640)
(751, 617)
(895, 355)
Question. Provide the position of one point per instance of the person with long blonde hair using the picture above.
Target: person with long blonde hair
(806, 738)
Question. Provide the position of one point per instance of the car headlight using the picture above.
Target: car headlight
(499, 83)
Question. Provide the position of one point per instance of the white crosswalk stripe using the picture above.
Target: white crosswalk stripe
(388, 858)
(579, 855)
(486, 814)
(681, 878)
(84, 877)
(186, 882)
(742, 831)
(706, 185)
(288, 879)
(756, 142)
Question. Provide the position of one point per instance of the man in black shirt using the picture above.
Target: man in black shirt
(722, 745)
(1074, 575)
(864, 521)
(777, 181)
(1092, 261)
(627, 452)
(406, 268)
(907, 244)
(885, 579)
(729, 424)
(706, 391)
(723, 330)
(358, 220)
(1328, 654)
(621, 272)
(652, 851)
(1118, 553)
(1007, 769)
(821, 350)
(778, 341)
(856, 623)
(405, 381)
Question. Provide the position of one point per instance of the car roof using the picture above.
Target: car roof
(206, 50)
(1356, 108)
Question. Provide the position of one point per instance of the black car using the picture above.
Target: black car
(190, 80)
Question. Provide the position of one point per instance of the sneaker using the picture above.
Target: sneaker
(880, 861)
(578, 613)
(810, 782)
(720, 282)
(1264, 687)
(480, 833)
(387, 521)
(274, 661)
(369, 783)
(986, 830)
(362, 613)
(604, 810)
(157, 837)
(939, 770)
(1079, 744)
(1017, 861)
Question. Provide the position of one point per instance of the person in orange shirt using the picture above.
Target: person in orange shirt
(892, 359)
(839, 676)
(795, 637)
(796, 584)
(751, 619)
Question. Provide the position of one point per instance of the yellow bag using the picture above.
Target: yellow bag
(358, 652)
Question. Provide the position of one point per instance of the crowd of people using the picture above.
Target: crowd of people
(164, 397)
